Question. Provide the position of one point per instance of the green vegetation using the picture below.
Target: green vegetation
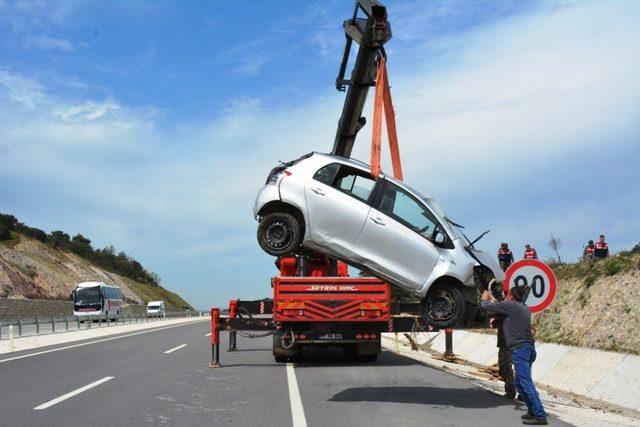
(5, 233)
(589, 271)
(107, 258)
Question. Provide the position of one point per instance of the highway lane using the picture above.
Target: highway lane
(152, 387)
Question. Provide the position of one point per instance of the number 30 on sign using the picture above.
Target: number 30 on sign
(537, 275)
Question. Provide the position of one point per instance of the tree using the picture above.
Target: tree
(555, 243)
(9, 221)
(59, 239)
(5, 234)
(81, 246)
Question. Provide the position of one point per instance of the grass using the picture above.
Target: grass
(157, 293)
(589, 271)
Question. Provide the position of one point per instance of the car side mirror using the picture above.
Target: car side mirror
(439, 238)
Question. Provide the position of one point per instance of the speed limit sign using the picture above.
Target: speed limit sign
(538, 276)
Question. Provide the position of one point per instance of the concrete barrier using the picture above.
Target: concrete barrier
(595, 374)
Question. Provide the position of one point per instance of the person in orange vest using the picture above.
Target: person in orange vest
(505, 257)
(589, 251)
(530, 253)
(602, 249)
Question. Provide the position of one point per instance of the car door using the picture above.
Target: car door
(338, 198)
(398, 237)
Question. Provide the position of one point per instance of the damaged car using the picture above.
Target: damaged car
(334, 206)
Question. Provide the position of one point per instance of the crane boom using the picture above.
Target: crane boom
(371, 33)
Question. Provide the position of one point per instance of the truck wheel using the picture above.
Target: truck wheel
(368, 358)
(444, 305)
(279, 234)
(366, 352)
(282, 354)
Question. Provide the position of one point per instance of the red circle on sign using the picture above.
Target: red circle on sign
(545, 269)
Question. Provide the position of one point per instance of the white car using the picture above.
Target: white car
(334, 206)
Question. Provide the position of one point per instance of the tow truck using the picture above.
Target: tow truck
(315, 302)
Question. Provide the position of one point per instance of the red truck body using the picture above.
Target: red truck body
(331, 299)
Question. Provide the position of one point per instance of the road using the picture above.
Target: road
(161, 377)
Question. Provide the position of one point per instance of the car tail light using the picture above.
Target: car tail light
(302, 336)
(358, 336)
(365, 336)
(274, 177)
(372, 336)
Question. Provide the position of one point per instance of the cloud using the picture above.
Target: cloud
(48, 43)
(22, 90)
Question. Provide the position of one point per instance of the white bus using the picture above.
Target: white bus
(93, 299)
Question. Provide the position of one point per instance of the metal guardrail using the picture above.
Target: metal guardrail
(50, 325)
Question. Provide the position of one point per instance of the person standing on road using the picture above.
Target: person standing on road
(505, 365)
(589, 251)
(530, 253)
(519, 338)
(602, 249)
(505, 257)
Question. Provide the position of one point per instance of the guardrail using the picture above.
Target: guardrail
(50, 325)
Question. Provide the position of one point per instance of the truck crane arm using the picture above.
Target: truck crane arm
(370, 33)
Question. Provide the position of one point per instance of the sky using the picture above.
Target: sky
(151, 126)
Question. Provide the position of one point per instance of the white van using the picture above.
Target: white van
(155, 309)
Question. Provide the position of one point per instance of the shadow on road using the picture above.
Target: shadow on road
(457, 397)
(331, 356)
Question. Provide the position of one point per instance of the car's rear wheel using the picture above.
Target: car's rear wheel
(279, 234)
(444, 305)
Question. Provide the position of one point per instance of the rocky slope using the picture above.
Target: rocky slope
(597, 305)
(31, 269)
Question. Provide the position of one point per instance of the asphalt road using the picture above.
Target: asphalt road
(153, 378)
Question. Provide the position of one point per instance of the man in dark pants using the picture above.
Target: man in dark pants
(505, 368)
(517, 333)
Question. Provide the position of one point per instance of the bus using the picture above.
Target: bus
(97, 300)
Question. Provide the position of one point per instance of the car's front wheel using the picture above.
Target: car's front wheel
(279, 234)
(444, 305)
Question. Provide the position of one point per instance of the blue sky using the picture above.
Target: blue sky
(152, 125)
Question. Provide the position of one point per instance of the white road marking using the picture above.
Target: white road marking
(297, 411)
(208, 335)
(91, 342)
(72, 393)
(175, 348)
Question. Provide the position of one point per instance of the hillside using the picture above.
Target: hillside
(30, 268)
(597, 305)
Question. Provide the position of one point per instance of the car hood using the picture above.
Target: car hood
(488, 261)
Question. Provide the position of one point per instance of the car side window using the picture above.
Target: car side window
(404, 208)
(327, 173)
(355, 183)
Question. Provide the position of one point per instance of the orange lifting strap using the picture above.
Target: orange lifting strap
(383, 99)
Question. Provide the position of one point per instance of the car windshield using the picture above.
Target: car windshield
(437, 209)
(87, 296)
(153, 307)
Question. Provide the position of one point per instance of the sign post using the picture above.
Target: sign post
(538, 276)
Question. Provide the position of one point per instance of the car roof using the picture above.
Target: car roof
(362, 165)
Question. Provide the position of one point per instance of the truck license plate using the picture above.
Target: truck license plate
(331, 337)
